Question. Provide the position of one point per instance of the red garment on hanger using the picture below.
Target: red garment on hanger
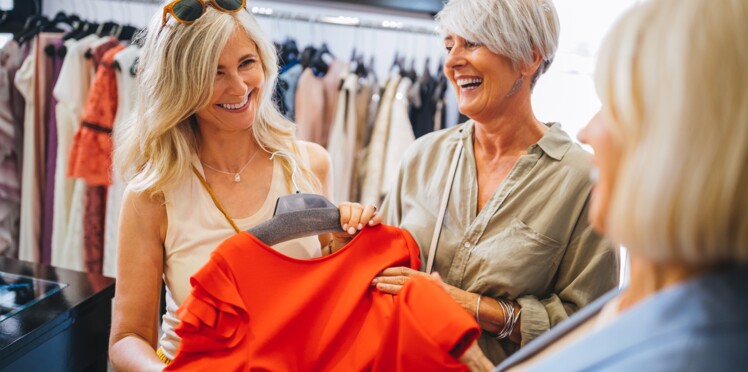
(91, 151)
(252, 308)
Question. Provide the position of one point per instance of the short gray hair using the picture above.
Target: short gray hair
(511, 28)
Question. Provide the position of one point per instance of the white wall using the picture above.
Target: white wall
(566, 93)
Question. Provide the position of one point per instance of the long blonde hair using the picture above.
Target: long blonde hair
(672, 79)
(176, 72)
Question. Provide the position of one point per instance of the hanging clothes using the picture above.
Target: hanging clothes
(91, 154)
(399, 138)
(33, 81)
(364, 104)
(392, 136)
(336, 72)
(12, 107)
(316, 99)
(71, 92)
(342, 144)
(290, 78)
(310, 98)
(234, 319)
(377, 148)
(126, 106)
(50, 53)
(423, 105)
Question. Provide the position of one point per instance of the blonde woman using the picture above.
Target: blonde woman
(671, 146)
(197, 158)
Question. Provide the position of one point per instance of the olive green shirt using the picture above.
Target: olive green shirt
(530, 243)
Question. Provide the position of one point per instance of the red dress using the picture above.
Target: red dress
(251, 308)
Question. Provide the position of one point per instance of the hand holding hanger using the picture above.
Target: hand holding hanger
(300, 214)
(353, 218)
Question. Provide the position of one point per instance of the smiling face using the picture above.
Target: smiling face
(482, 79)
(606, 161)
(237, 87)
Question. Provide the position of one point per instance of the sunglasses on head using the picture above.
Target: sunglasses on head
(188, 11)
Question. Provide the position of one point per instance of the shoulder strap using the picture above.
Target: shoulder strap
(443, 206)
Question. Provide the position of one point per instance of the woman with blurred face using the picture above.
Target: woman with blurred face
(500, 203)
(671, 147)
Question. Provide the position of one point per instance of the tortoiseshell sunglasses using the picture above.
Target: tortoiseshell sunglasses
(188, 11)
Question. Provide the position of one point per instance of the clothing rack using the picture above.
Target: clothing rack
(343, 21)
(266, 12)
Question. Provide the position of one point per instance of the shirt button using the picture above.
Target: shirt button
(466, 245)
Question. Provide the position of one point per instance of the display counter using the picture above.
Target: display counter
(53, 319)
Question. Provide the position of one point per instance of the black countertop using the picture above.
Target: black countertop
(53, 314)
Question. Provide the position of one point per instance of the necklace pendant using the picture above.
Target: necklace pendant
(237, 178)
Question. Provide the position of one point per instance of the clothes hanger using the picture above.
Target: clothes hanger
(32, 27)
(77, 29)
(61, 17)
(127, 33)
(289, 50)
(353, 56)
(307, 56)
(361, 70)
(395, 66)
(298, 215)
(426, 75)
(321, 60)
(411, 73)
(107, 29)
(8, 24)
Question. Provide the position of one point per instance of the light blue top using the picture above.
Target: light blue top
(700, 325)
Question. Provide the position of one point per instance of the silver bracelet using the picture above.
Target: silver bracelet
(510, 318)
(477, 310)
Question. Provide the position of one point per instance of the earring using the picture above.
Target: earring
(516, 86)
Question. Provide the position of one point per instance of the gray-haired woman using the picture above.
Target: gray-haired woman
(500, 203)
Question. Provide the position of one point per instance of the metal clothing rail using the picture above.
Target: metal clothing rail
(333, 20)
(343, 21)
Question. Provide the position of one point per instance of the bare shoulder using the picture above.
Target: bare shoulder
(145, 211)
(318, 157)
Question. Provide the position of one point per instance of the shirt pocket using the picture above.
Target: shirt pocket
(516, 260)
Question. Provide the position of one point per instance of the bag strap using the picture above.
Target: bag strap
(443, 206)
(215, 199)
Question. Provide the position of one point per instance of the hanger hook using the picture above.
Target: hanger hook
(293, 165)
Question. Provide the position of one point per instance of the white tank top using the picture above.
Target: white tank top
(196, 227)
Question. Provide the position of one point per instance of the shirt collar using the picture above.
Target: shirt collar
(555, 142)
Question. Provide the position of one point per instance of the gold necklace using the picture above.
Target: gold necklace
(237, 175)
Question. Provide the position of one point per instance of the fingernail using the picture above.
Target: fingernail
(345, 227)
(371, 223)
(351, 231)
(360, 226)
(374, 282)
